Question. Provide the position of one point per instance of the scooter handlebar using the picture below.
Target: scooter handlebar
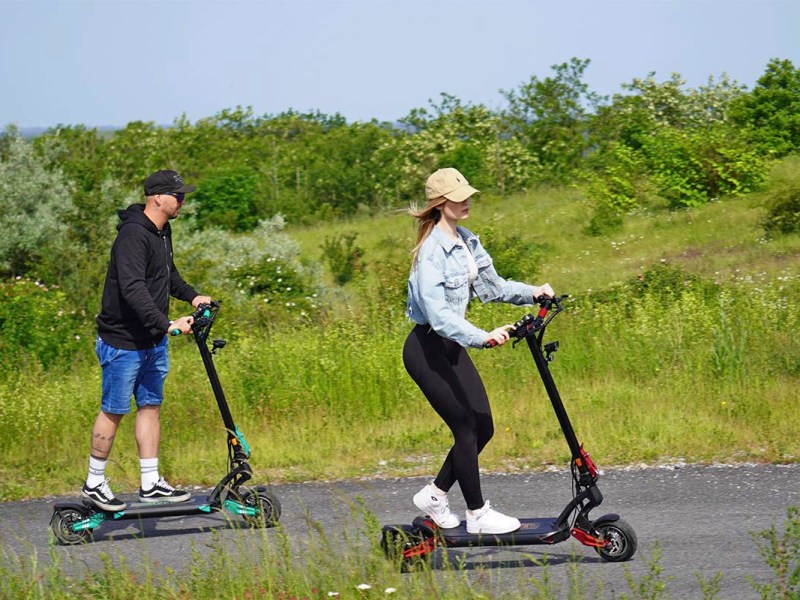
(529, 322)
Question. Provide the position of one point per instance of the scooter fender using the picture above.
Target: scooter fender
(608, 518)
(424, 526)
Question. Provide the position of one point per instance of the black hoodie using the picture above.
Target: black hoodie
(140, 279)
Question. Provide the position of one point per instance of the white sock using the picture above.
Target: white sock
(150, 476)
(437, 491)
(97, 472)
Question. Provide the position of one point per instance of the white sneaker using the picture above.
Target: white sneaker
(436, 507)
(488, 520)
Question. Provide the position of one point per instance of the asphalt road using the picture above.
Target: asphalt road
(701, 517)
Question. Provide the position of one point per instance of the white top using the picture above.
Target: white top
(472, 266)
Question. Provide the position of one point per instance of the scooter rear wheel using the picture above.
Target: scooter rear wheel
(62, 522)
(621, 540)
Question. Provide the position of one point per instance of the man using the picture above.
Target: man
(132, 336)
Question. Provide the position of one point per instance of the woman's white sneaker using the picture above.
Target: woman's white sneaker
(436, 507)
(488, 520)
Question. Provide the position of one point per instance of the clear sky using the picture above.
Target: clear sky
(109, 62)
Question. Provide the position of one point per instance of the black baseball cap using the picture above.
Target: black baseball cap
(166, 182)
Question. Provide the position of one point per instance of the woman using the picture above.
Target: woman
(450, 266)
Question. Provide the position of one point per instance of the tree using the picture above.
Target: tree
(35, 202)
(227, 200)
(549, 116)
(771, 112)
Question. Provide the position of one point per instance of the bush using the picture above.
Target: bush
(343, 257)
(227, 200)
(605, 220)
(278, 288)
(35, 203)
(783, 214)
(781, 552)
(691, 167)
(667, 282)
(239, 268)
(617, 188)
(35, 323)
(514, 257)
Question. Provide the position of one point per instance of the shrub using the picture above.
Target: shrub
(343, 257)
(514, 257)
(691, 167)
(35, 323)
(618, 187)
(781, 552)
(239, 269)
(783, 214)
(35, 202)
(227, 200)
(279, 289)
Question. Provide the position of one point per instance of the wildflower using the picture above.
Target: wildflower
(333, 594)
(390, 590)
(363, 587)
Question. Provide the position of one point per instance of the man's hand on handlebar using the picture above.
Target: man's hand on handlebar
(198, 300)
(181, 326)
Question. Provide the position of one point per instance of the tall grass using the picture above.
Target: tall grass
(680, 367)
(679, 341)
(270, 564)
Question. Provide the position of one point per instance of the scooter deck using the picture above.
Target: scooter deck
(192, 505)
(531, 532)
(136, 510)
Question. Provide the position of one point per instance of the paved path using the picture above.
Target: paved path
(701, 517)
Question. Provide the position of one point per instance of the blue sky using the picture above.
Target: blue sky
(110, 62)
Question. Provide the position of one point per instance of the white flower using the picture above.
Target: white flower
(389, 590)
(333, 594)
(364, 586)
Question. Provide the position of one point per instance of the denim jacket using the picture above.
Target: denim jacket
(439, 289)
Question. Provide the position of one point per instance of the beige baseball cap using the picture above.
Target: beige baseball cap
(449, 183)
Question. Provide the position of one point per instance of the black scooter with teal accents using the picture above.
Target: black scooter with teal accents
(74, 522)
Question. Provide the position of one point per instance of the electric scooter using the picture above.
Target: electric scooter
(74, 522)
(611, 537)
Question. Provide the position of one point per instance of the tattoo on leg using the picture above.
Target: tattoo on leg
(102, 443)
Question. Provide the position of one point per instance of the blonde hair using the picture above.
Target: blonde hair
(427, 217)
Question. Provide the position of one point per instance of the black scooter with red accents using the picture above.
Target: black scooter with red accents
(611, 537)
(73, 522)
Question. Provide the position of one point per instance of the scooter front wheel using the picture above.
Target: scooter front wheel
(405, 545)
(62, 526)
(268, 506)
(620, 540)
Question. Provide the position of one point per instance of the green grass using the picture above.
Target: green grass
(694, 369)
(691, 373)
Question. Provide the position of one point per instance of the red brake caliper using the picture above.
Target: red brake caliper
(424, 547)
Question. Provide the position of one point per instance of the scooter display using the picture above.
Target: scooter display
(611, 537)
(74, 522)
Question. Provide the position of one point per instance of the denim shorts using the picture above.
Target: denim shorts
(137, 373)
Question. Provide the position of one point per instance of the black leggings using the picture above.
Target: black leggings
(446, 375)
